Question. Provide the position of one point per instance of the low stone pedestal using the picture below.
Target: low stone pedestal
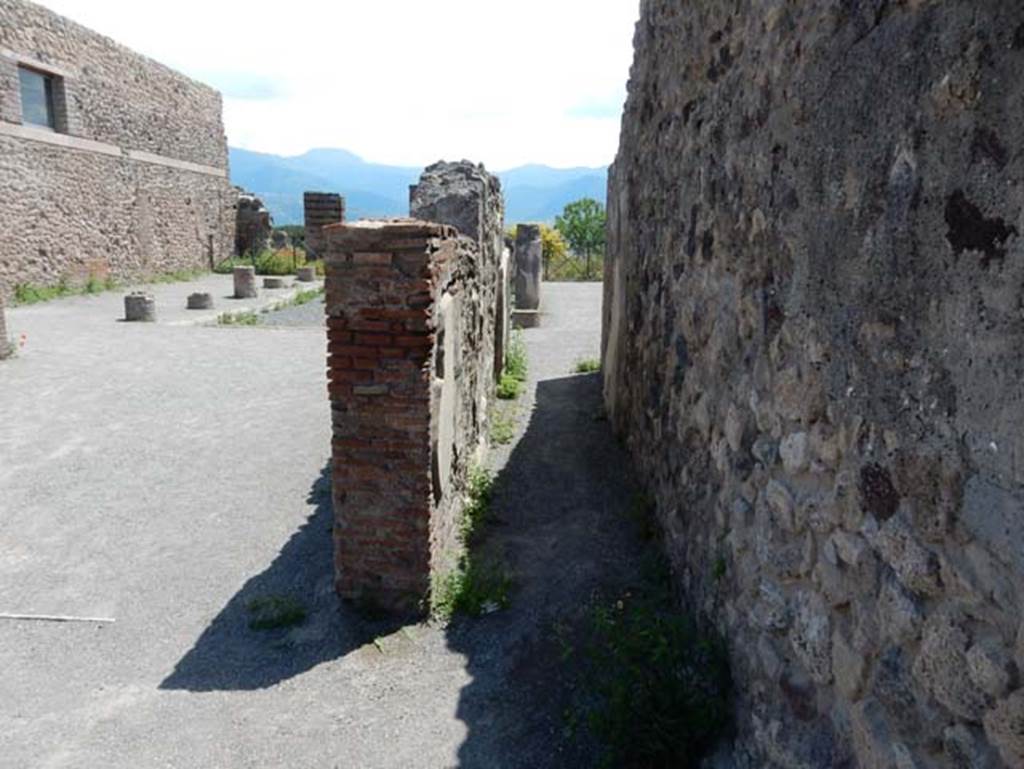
(273, 283)
(245, 283)
(200, 302)
(525, 318)
(306, 274)
(529, 266)
(139, 307)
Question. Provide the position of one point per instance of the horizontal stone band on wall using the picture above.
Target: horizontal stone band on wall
(30, 133)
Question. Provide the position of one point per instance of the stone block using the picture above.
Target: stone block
(1004, 725)
(942, 669)
(139, 307)
(274, 283)
(305, 274)
(529, 266)
(245, 282)
(199, 301)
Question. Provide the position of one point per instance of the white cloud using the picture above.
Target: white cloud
(398, 81)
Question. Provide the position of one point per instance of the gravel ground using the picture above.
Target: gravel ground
(308, 314)
(165, 476)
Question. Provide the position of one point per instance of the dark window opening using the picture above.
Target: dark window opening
(37, 105)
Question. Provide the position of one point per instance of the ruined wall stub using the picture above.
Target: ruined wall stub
(320, 209)
(253, 225)
(131, 181)
(467, 197)
(405, 364)
(812, 346)
(529, 266)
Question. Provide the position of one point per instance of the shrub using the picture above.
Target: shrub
(508, 387)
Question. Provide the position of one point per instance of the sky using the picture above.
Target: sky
(403, 82)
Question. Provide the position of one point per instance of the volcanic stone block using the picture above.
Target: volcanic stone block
(200, 301)
(139, 307)
(529, 266)
(305, 274)
(245, 282)
(273, 283)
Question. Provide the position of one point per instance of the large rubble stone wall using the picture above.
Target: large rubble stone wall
(464, 195)
(812, 346)
(404, 303)
(133, 182)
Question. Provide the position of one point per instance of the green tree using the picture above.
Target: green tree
(582, 224)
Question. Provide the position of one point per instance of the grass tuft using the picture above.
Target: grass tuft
(587, 366)
(509, 387)
(473, 587)
(275, 611)
(244, 318)
(502, 430)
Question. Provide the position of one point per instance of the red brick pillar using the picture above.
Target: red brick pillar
(382, 281)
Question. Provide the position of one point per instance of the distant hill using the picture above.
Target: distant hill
(532, 193)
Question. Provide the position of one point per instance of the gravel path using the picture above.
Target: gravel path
(167, 475)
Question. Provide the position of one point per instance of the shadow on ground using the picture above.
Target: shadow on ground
(230, 655)
(560, 522)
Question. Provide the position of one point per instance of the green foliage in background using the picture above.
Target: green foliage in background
(582, 225)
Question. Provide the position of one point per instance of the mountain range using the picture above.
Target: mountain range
(533, 193)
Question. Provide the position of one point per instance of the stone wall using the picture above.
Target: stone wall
(812, 346)
(406, 306)
(253, 224)
(467, 197)
(133, 182)
(319, 210)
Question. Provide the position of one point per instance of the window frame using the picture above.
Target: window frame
(51, 82)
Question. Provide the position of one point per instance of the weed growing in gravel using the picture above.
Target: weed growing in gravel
(654, 688)
(502, 427)
(515, 359)
(509, 387)
(245, 318)
(661, 687)
(473, 587)
(587, 366)
(275, 611)
(304, 297)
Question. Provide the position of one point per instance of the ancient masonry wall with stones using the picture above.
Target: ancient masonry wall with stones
(812, 346)
(132, 182)
(464, 195)
(407, 358)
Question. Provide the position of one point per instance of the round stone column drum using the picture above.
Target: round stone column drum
(139, 307)
(245, 283)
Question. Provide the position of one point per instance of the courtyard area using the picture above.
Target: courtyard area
(166, 475)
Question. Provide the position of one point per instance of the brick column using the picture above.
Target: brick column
(382, 284)
(320, 209)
